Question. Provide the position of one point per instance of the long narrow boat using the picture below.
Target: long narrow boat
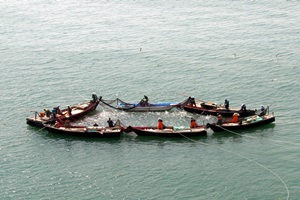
(138, 107)
(85, 131)
(168, 131)
(209, 108)
(77, 111)
(245, 123)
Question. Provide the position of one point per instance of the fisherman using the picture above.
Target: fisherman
(226, 104)
(262, 111)
(69, 110)
(193, 102)
(58, 111)
(47, 112)
(54, 113)
(243, 107)
(160, 124)
(220, 119)
(144, 101)
(110, 122)
(193, 123)
(94, 96)
(235, 118)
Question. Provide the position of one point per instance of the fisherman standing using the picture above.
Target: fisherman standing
(110, 122)
(220, 119)
(226, 104)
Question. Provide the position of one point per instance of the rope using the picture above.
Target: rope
(251, 160)
(81, 96)
(253, 137)
(40, 129)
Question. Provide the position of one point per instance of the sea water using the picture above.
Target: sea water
(59, 52)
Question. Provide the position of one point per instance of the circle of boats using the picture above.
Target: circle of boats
(248, 119)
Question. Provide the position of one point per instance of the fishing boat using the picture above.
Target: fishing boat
(141, 106)
(168, 131)
(209, 108)
(71, 112)
(244, 123)
(85, 131)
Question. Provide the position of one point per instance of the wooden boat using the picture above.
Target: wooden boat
(168, 131)
(77, 111)
(209, 108)
(85, 131)
(245, 123)
(140, 107)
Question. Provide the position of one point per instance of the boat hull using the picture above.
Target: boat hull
(85, 131)
(38, 122)
(168, 132)
(224, 112)
(78, 112)
(243, 126)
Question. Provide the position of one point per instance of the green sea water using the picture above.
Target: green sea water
(60, 52)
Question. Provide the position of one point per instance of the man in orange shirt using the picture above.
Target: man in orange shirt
(235, 118)
(160, 124)
(193, 123)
